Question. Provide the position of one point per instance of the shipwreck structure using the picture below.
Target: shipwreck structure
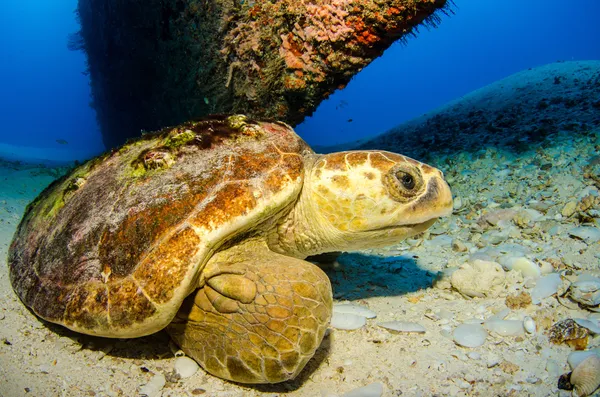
(160, 62)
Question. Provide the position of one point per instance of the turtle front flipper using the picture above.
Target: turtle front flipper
(258, 317)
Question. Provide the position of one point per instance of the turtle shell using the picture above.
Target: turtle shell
(113, 248)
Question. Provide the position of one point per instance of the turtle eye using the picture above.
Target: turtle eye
(404, 182)
(407, 180)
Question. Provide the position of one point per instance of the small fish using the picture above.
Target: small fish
(206, 100)
(61, 141)
(349, 120)
(341, 105)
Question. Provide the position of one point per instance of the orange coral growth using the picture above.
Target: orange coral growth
(294, 83)
(363, 33)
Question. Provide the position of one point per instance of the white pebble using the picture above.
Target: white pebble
(546, 286)
(154, 387)
(474, 355)
(457, 204)
(523, 265)
(185, 367)
(577, 357)
(463, 384)
(445, 314)
(553, 368)
(347, 321)
(501, 315)
(588, 234)
(592, 326)
(529, 325)
(354, 309)
(505, 327)
(459, 355)
(492, 361)
(469, 335)
(372, 390)
(402, 326)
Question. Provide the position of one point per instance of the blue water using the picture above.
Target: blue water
(44, 96)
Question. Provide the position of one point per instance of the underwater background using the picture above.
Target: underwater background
(499, 298)
(45, 97)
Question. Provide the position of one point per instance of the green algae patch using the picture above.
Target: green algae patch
(179, 137)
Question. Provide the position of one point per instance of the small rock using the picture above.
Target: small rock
(371, 390)
(461, 383)
(508, 367)
(479, 279)
(354, 309)
(469, 335)
(347, 321)
(154, 387)
(492, 361)
(529, 325)
(457, 203)
(458, 246)
(545, 286)
(576, 357)
(185, 367)
(588, 234)
(403, 326)
(505, 327)
(553, 368)
(527, 267)
(569, 209)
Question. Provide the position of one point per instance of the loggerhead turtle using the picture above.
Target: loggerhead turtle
(202, 229)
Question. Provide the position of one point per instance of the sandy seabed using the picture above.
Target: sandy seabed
(519, 204)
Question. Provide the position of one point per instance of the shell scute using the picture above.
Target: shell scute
(128, 304)
(88, 306)
(231, 201)
(165, 267)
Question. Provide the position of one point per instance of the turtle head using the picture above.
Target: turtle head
(365, 199)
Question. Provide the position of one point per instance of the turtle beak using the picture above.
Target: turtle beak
(434, 202)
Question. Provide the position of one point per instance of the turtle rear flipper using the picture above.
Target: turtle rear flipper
(258, 318)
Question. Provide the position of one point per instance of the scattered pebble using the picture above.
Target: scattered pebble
(546, 286)
(349, 308)
(588, 234)
(505, 327)
(185, 367)
(492, 360)
(522, 264)
(371, 390)
(154, 387)
(403, 326)
(577, 357)
(347, 321)
(479, 278)
(529, 325)
(508, 367)
(586, 292)
(592, 326)
(469, 335)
